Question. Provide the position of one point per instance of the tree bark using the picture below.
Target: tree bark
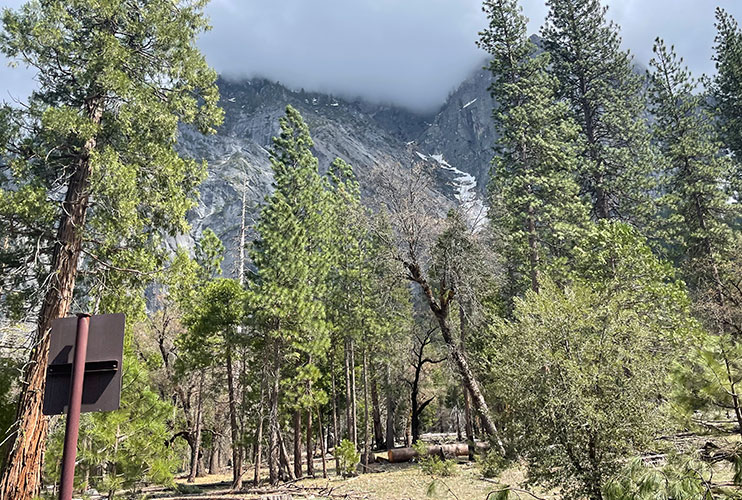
(273, 445)
(297, 443)
(196, 449)
(285, 456)
(259, 436)
(236, 455)
(366, 420)
(378, 430)
(533, 247)
(21, 476)
(353, 392)
(322, 443)
(212, 454)
(336, 428)
(310, 445)
(391, 408)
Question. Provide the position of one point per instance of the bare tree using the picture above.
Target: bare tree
(412, 210)
(418, 360)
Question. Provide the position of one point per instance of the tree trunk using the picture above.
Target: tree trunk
(21, 476)
(297, 443)
(468, 423)
(273, 445)
(533, 245)
(322, 443)
(463, 325)
(335, 427)
(350, 414)
(366, 421)
(259, 436)
(196, 449)
(212, 454)
(391, 408)
(408, 431)
(113, 471)
(353, 392)
(441, 313)
(378, 430)
(310, 446)
(285, 456)
(236, 455)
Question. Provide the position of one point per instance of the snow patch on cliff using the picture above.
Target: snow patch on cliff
(465, 186)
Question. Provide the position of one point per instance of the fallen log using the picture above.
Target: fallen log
(397, 455)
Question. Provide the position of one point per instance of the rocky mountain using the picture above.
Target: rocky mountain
(454, 144)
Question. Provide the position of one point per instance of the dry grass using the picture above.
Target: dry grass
(384, 482)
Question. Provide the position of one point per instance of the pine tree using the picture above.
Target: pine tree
(115, 79)
(348, 279)
(292, 265)
(536, 209)
(212, 336)
(703, 228)
(697, 177)
(727, 85)
(605, 97)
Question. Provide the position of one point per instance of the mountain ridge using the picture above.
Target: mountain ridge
(454, 144)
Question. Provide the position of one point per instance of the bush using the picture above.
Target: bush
(433, 465)
(349, 458)
(492, 464)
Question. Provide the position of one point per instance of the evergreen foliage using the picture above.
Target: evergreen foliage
(698, 177)
(582, 368)
(536, 208)
(726, 89)
(605, 95)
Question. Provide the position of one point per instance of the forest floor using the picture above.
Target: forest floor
(404, 481)
(386, 481)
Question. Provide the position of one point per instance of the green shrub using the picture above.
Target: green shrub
(492, 464)
(433, 465)
(349, 458)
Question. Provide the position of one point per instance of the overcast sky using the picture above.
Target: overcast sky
(406, 52)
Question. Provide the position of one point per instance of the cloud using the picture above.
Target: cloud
(410, 52)
(406, 52)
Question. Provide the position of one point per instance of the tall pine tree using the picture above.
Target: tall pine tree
(90, 169)
(727, 86)
(697, 177)
(536, 208)
(702, 228)
(605, 96)
(292, 263)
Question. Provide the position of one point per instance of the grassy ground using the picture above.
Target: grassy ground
(385, 482)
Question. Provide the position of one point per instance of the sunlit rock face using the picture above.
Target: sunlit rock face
(454, 144)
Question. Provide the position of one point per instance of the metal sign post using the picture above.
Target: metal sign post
(69, 454)
(90, 381)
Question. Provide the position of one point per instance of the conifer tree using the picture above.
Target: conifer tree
(115, 79)
(727, 85)
(697, 176)
(536, 209)
(213, 336)
(349, 279)
(703, 229)
(292, 265)
(605, 97)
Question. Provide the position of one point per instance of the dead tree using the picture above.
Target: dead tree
(418, 361)
(410, 202)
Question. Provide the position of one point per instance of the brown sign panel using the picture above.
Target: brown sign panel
(103, 366)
